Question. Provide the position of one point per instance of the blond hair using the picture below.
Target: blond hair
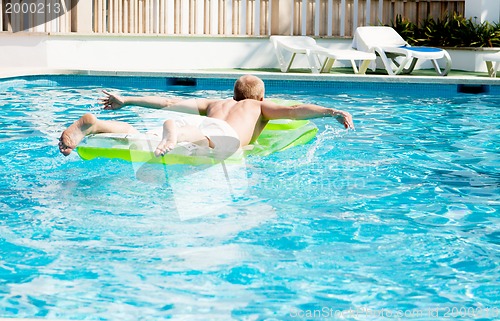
(248, 87)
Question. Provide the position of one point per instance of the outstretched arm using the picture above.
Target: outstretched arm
(192, 106)
(272, 110)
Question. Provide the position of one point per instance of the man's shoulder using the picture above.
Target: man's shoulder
(250, 102)
(212, 102)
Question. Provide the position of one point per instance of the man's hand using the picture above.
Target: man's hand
(111, 101)
(345, 119)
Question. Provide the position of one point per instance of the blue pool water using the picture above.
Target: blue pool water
(398, 219)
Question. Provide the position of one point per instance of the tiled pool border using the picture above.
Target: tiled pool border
(224, 80)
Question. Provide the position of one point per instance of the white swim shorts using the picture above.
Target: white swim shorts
(219, 132)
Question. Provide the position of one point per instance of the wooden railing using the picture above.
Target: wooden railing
(217, 17)
(186, 17)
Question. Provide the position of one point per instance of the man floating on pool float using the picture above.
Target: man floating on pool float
(242, 117)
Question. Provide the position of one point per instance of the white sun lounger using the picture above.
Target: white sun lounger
(320, 59)
(389, 45)
(492, 63)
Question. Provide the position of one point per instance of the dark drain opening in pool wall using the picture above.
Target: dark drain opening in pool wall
(187, 82)
(473, 89)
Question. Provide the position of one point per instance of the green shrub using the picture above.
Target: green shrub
(451, 31)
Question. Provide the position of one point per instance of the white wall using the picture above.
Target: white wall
(483, 10)
(469, 60)
(28, 51)
(155, 53)
(140, 53)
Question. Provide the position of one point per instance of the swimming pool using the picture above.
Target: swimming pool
(396, 219)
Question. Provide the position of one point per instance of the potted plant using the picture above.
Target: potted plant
(465, 39)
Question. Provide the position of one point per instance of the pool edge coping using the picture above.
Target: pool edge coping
(265, 75)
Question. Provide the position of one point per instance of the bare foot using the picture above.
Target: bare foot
(74, 134)
(164, 147)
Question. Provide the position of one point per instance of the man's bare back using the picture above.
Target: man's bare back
(244, 116)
